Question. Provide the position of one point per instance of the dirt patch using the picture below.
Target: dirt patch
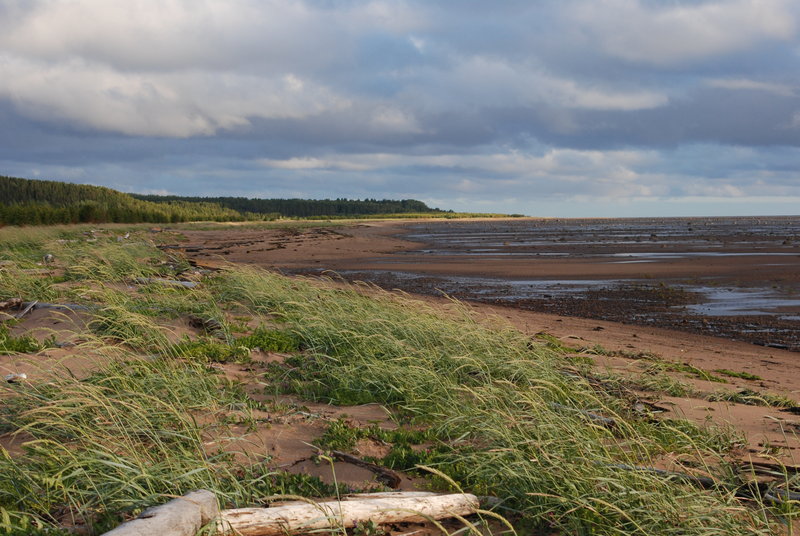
(371, 448)
(63, 326)
(52, 362)
(770, 434)
(14, 444)
(281, 248)
(341, 472)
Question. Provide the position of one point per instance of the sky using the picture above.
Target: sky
(560, 108)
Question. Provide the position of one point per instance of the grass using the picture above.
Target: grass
(656, 364)
(486, 393)
(22, 344)
(207, 349)
(659, 366)
(498, 414)
(739, 374)
(664, 384)
(340, 435)
(753, 398)
(108, 446)
(271, 340)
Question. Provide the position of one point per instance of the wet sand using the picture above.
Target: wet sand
(734, 278)
(625, 309)
(382, 252)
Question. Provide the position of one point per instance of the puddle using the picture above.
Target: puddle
(493, 288)
(687, 254)
(744, 302)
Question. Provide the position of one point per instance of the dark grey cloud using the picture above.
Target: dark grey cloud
(517, 106)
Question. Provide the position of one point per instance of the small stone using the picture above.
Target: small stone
(16, 377)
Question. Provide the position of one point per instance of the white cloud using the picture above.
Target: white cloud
(432, 97)
(566, 165)
(307, 163)
(182, 68)
(217, 34)
(179, 104)
(607, 176)
(783, 90)
(493, 81)
(387, 119)
(671, 33)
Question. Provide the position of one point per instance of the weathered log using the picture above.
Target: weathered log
(605, 421)
(384, 474)
(281, 520)
(183, 516)
(59, 306)
(277, 501)
(388, 495)
(28, 308)
(207, 324)
(765, 468)
(746, 490)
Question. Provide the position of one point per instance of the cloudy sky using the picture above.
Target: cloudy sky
(547, 107)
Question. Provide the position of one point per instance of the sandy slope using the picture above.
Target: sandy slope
(771, 432)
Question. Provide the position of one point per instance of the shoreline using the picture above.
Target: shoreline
(555, 275)
(624, 350)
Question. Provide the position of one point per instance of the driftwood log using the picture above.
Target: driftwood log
(58, 306)
(745, 490)
(384, 475)
(27, 309)
(387, 508)
(590, 415)
(183, 516)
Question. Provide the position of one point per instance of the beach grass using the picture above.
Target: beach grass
(498, 413)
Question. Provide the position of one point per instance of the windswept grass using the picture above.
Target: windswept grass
(753, 398)
(739, 374)
(119, 441)
(491, 397)
(22, 344)
(503, 415)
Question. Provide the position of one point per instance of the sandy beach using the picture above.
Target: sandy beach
(359, 248)
(735, 279)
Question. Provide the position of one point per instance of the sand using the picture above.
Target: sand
(772, 433)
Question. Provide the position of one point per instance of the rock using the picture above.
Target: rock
(16, 377)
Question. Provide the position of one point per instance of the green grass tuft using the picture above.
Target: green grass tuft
(753, 398)
(737, 374)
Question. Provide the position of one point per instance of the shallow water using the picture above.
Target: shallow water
(694, 233)
(762, 297)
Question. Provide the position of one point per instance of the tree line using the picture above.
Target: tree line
(305, 208)
(45, 202)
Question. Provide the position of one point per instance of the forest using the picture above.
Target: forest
(304, 208)
(46, 202)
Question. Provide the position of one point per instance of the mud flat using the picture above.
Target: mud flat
(736, 278)
(571, 280)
